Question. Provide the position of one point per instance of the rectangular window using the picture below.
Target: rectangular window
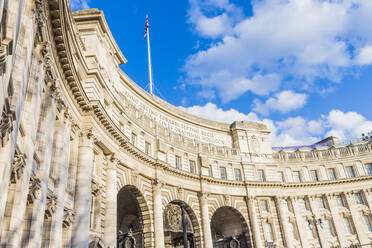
(348, 226)
(340, 201)
(238, 174)
(292, 231)
(210, 171)
(350, 171)
(314, 175)
(261, 175)
(178, 162)
(320, 202)
(296, 176)
(302, 204)
(328, 227)
(268, 232)
(147, 148)
(133, 139)
(263, 206)
(332, 174)
(223, 173)
(367, 222)
(192, 167)
(359, 198)
(281, 176)
(369, 169)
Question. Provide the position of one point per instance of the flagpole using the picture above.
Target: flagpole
(149, 56)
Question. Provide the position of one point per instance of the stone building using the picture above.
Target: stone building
(89, 159)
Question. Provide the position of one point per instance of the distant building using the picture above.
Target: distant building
(89, 159)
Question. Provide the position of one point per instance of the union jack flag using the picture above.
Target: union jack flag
(146, 26)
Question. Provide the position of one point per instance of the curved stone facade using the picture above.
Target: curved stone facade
(87, 157)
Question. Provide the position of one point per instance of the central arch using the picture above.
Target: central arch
(132, 218)
(173, 229)
(229, 229)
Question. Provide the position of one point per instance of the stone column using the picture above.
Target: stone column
(280, 202)
(339, 226)
(111, 201)
(158, 215)
(83, 192)
(207, 233)
(254, 220)
(357, 220)
(60, 164)
(44, 151)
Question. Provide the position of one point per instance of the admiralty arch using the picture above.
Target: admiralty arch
(89, 159)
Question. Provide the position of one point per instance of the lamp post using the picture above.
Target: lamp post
(185, 244)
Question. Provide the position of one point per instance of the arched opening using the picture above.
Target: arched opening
(173, 226)
(131, 213)
(229, 229)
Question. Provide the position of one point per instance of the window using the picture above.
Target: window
(268, 232)
(367, 222)
(192, 167)
(178, 162)
(223, 173)
(281, 176)
(332, 174)
(302, 204)
(320, 202)
(340, 201)
(359, 198)
(350, 172)
(238, 174)
(133, 139)
(261, 175)
(147, 148)
(263, 206)
(309, 229)
(210, 171)
(327, 225)
(314, 175)
(91, 213)
(292, 231)
(369, 169)
(348, 226)
(296, 176)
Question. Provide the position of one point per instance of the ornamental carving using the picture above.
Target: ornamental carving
(51, 205)
(5, 50)
(19, 164)
(6, 123)
(96, 186)
(174, 217)
(68, 217)
(34, 189)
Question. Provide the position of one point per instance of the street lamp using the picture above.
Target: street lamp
(184, 227)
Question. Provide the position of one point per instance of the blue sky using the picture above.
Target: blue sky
(301, 67)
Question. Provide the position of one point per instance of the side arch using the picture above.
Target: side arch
(144, 222)
(227, 223)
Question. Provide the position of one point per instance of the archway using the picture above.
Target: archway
(132, 210)
(229, 229)
(173, 228)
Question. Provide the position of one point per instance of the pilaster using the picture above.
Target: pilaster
(207, 233)
(158, 215)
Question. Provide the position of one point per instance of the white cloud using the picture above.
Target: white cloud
(212, 112)
(283, 102)
(294, 130)
(303, 40)
(79, 4)
(365, 56)
(347, 125)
